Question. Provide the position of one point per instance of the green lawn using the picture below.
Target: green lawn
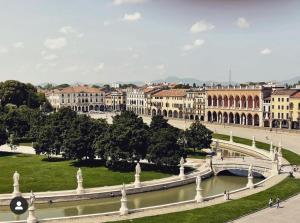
(39, 175)
(197, 154)
(230, 210)
(291, 157)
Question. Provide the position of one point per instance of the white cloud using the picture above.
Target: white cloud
(80, 35)
(242, 23)
(197, 43)
(55, 43)
(18, 45)
(67, 30)
(70, 69)
(99, 67)
(201, 26)
(266, 51)
(50, 57)
(3, 49)
(132, 17)
(121, 2)
(106, 23)
(161, 67)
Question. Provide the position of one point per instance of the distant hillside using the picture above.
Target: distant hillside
(294, 80)
(173, 79)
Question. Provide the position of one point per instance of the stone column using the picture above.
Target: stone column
(199, 190)
(253, 142)
(124, 207)
(181, 169)
(231, 137)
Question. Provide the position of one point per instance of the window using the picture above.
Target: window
(299, 106)
(272, 106)
(287, 99)
(278, 99)
(287, 115)
(272, 114)
(278, 107)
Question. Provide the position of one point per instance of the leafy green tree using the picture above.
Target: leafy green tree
(3, 135)
(126, 140)
(198, 136)
(17, 93)
(164, 149)
(158, 122)
(79, 140)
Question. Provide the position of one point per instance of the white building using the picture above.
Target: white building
(78, 98)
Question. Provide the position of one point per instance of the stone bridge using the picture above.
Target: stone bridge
(239, 166)
(263, 164)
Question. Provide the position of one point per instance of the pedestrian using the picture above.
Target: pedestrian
(228, 195)
(222, 158)
(277, 202)
(225, 195)
(270, 202)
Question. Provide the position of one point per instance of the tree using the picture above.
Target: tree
(158, 122)
(126, 140)
(17, 93)
(79, 140)
(198, 136)
(3, 135)
(164, 149)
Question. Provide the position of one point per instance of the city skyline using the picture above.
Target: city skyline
(145, 40)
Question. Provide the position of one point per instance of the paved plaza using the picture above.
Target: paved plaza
(289, 212)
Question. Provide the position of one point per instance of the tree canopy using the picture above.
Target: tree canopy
(198, 136)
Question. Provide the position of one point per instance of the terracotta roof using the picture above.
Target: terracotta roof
(171, 93)
(80, 89)
(296, 95)
(150, 89)
(284, 92)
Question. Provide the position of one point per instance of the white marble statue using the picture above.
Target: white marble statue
(16, 178)
(250, 171)
(123, 191)
(138, 169)
(124, 207)
(79, 175)
(137, 182)
(199, 191)
(32, 199)
(198, 181)
(181, 161)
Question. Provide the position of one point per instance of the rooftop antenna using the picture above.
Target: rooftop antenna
(229, 76)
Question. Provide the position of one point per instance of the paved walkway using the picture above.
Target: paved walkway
(289, 212)
(20, 149)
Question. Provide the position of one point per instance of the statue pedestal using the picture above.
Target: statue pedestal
(80, 189)
(181, 174)
(274, 170)
(31, 216)
(199, 195)
(137, 182)
(124, 208)
(16, 192)
(250, 184)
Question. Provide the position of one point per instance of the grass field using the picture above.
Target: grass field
(291, 157)
(39, 175)
(230, 210)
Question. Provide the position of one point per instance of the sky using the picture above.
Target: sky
(106, 41)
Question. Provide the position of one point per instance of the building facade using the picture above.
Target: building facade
(295, 110)
(78, 98)
(236, 105)
(280, 102)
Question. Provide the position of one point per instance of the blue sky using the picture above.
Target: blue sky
(142, 40)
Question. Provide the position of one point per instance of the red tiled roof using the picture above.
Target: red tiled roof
(284, 92)
(296, 95)
(171, 93)
(81, 89)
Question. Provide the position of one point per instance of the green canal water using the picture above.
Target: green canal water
(212, 186)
